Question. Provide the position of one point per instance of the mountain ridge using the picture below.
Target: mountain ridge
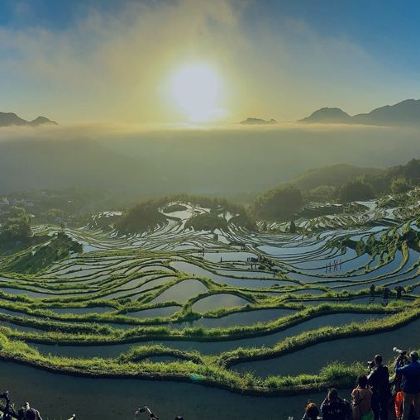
(10, 119)
(401, 113)
(258, 121)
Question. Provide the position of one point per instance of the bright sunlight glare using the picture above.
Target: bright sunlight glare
(196, 90)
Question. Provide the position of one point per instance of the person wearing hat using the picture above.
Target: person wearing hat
(411, 385)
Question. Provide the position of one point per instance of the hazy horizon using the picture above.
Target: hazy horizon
(207, 161)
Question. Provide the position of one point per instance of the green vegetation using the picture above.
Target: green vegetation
(279, 204)
(387, 244)
(314, 193)
(400, 185)
(206, 221)
(190, 370)
(42, 256)
(176, 284)
(322, 334)
(333, 176)
(146, 216)
(329, 178)
(210, 370)
(15, 229)
(61, 329)
(143, 217)
(355, 191)
(321, 194)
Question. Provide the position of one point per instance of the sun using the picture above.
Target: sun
(196, 90)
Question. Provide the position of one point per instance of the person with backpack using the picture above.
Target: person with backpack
(362, 400)
(334, 407)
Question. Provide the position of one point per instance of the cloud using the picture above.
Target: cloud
(117, 58)
(113, 66)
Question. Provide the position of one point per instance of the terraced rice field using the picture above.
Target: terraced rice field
(235, 309)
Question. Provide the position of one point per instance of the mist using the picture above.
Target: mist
(218, 161)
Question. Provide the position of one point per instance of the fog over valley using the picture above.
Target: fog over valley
(218, 161)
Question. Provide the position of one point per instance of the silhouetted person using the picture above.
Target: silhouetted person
(372, 290)
(28, 413)
(378, 379)
(335, 408)
(399, 290)
(401, 361)
(411, 385)
(8, 410)
(311, 412)
(386, 293)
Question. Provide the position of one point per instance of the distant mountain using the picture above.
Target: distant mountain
(42, 121)
(403, 113)
(8, 119)
(258, 121)
(328, 115)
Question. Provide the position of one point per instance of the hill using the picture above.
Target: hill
(8, 119)
(406, 112)
(334, 175)
(341, 174)
(258, 121)
(42, 121)
(36, 258)
(200, 213)
(342, 183)
(328, 115)
(411, 171)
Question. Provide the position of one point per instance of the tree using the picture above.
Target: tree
(16, 228)
(321, 193)
(379, 182)
(279, 204)
(412, 170)
(355, 191)
(400, 185)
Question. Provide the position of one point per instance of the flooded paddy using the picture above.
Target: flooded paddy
(187, 275)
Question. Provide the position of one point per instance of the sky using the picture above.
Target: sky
(121, 61)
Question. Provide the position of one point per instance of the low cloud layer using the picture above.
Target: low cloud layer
(222, 161)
